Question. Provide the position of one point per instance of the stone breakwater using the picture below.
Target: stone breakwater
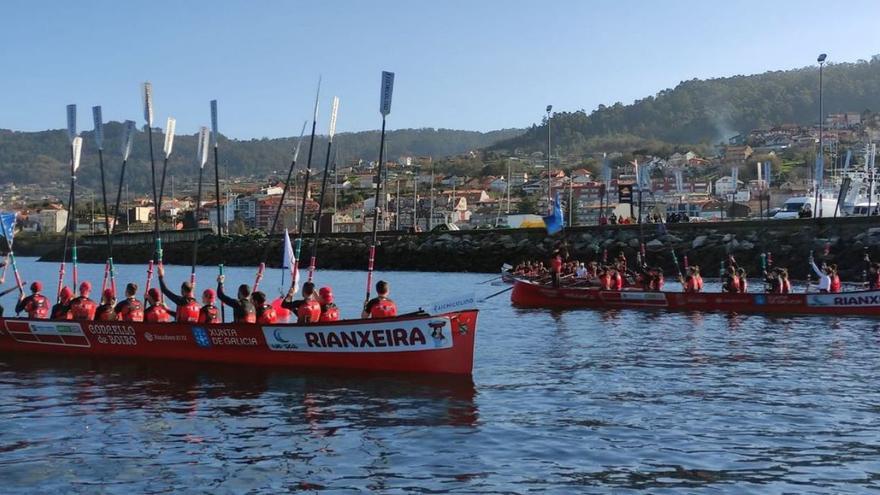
(845, 241)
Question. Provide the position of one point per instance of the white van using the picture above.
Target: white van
(793, 206)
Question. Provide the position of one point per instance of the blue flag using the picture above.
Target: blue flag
(554, 221)
(7, 221)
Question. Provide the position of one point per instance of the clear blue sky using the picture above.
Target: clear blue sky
(463, 64)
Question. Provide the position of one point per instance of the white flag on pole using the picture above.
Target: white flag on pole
(289, 260)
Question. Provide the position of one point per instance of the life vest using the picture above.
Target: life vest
(743, 285)
(209, 314)
(308, 312)
(785, 286)
(37, 307)
(157, 314)
(690, 284)
(556, 264)
(248, 312)
(130, 310)
(616, 281)
(329, 312)
(731, 284)
(105, 312)
(699, 279)
(188, 312)
(83, 308)
(61, 311)
(267, 315)
(382, 307)
(605, 281)
(656, 283)
(835, 283)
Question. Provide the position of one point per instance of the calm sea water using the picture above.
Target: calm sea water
(560, 402)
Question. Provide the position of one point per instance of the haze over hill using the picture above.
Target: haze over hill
(708, 111)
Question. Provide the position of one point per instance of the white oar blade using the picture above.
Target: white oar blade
(333, 111)
(387, 90)
(127, 138)
(77, 152)
(71, 122)
(299, 143)
(204, 142)
(99, 126)
(214, 131)
(317, 95)
(147, 93)
(169, 135)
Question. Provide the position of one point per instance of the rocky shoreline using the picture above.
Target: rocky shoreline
(706, 244)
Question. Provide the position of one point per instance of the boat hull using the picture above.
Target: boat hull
(421, 344)
(530, 295)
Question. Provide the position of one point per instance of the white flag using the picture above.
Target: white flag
(289, 260)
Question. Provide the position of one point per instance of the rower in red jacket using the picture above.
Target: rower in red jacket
(106, 311)
(83, 308)
(692, 283)
(156, 311)
(265, 312)
(209, 312)
(835, 279)
(380, 306)
(743, 280)
(35, 305)
(130, 309)
(242, 308)
(329, 311)
(61, 310)
(187, 306)
(307, 309)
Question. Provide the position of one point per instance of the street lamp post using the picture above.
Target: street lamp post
(549, 180)
(820, 158)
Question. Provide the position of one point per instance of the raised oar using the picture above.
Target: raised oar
(8, 221)
(148, 117)
(332, 132)
(169, 144)
(71, 134)
(284, 190)
(214, 138)
(675, 262)
(302, 213)
(384, 109)
(202, 156)
(77, 153)
(127, 138)
(99, 141)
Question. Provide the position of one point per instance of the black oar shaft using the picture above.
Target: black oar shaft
(195, 254)
(119, 195)
(302, 212)
(321, 206)
(104, 198)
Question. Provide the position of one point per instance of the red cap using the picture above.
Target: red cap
(209, 294)
(154, 294)
(326, 294)
(85, 287)
(108, 294)
(66, 293)
(36, 287)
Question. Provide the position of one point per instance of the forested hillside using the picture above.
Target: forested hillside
(33, 157)
(708, 111)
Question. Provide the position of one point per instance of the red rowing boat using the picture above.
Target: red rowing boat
(417, 343)
(528, 294)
